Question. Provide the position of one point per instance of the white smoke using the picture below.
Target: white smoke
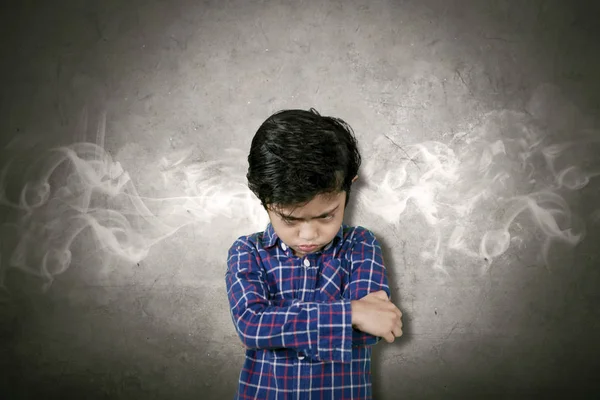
(473, 194)
(471, 191)
(80, 186)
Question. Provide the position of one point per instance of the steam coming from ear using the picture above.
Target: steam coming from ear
(74, 188)
(472, 194)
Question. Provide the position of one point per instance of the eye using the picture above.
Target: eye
(288, 222)
(329, 217)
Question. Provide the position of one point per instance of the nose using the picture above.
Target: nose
(307, 233)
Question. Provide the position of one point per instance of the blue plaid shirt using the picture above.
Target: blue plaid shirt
(293, 315)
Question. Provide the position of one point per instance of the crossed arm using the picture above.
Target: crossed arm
(321, 330)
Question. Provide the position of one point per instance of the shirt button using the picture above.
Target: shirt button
(306, 262)
(300, 357)
(283, 246)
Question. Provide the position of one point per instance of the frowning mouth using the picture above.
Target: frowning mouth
(307, 248)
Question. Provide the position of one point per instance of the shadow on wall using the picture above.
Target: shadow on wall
(394, 269)
(540, 341)
(379, 367)
(533, 336)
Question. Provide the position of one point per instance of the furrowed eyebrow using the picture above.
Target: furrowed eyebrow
(290, 218)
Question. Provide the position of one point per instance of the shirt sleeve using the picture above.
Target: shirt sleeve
(368, 274)
(322, 331)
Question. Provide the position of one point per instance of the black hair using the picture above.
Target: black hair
(296, 155)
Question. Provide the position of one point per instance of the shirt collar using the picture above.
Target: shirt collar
(270, 236)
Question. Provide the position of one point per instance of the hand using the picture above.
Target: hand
(377, 315)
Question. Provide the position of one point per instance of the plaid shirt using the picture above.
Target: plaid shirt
(293, 315)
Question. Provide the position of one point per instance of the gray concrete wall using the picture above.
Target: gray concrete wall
(117, 291)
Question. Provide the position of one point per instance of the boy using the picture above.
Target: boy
(308, 316)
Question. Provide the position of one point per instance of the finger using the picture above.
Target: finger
(389, 337)
(381, 294)
(395, 310)
(397, 331)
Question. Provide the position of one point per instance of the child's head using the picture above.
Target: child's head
(302, 165)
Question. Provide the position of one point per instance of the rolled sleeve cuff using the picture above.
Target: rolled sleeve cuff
(363, 339)
(335, 332)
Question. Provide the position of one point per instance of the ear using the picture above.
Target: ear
(355, 178)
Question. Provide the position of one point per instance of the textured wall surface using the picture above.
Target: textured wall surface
(478, 126)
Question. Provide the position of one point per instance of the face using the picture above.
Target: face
(316, 223)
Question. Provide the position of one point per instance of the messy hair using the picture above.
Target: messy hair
(296, 155)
